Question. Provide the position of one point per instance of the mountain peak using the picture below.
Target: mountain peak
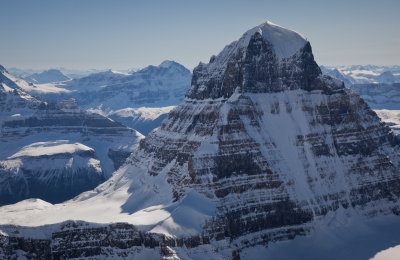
(284, 41)
(254, 64)
(168, 63)
(47, 76)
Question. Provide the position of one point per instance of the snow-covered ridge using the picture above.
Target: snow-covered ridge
(50, 148)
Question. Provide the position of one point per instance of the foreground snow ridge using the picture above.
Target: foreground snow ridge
(263, 151)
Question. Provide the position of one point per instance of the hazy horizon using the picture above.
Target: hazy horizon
(122, 35)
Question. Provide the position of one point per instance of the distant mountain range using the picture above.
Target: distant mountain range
(111, 93)
(367, 74)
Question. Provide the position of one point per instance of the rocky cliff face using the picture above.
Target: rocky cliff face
(80, 239)
(275, 144)
(261, 149)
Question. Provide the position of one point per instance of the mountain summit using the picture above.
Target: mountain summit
(47, 76)
(263, 148)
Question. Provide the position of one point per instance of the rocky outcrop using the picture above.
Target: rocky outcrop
(80, 239)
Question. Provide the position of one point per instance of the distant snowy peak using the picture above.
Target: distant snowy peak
(165, 66)
(168, 63)
(48, 76)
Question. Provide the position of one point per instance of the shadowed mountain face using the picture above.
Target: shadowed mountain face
(263, 148)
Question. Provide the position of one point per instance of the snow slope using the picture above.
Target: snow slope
(285, 42)
(391, 253)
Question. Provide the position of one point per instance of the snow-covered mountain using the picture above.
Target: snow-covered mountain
(113, 93)
(263, 149)
(47, 76)
(358, 74)
(54, 151)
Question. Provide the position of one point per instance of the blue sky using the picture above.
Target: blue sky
(121, 34)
